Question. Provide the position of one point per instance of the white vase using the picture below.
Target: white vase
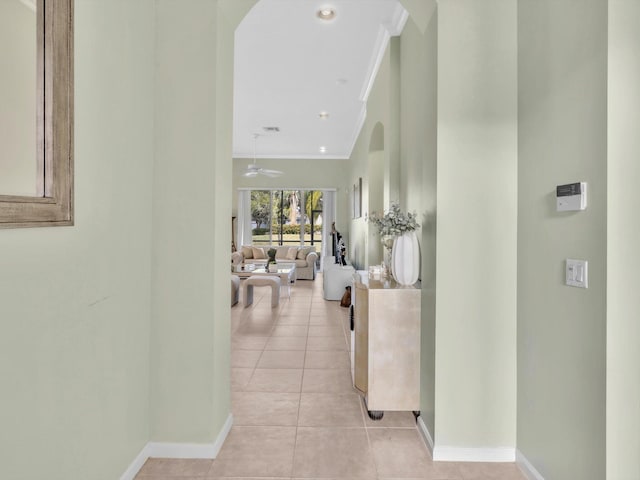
(405, 259)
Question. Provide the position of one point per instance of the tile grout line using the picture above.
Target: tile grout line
(304, 361)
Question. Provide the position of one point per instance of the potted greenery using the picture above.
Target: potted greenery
(271, 263)
(395, 222)
(397, 231)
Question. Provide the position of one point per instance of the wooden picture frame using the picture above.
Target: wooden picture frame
(53, 204)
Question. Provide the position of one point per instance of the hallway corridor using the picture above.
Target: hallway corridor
(296, 414)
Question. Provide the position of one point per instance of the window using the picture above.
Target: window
(287, 217)
(52, 202)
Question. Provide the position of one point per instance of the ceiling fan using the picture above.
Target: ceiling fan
(253, 170)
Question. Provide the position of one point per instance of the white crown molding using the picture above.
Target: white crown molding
(527, 469)
(358, 128)
(400, 17)
(462, 454)
(178, 450)
(425, 434)
(385, 32)
(379, 48)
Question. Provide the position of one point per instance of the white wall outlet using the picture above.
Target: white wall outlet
(577, 273)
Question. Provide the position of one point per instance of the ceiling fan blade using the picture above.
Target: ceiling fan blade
(253, 170)
(271, 173)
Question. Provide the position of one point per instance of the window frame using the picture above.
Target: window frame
(53, 205)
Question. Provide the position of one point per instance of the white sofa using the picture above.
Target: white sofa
(303, 256)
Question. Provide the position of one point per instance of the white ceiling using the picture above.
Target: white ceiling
(290, 66)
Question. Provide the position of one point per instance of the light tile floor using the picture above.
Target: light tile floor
(296, 415)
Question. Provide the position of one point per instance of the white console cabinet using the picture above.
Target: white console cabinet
(335, 278)
(386, 348)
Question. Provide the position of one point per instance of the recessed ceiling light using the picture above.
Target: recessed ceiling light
(323, 115)
(323, 149)
(326, 13)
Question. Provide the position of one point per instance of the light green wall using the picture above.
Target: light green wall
(561, 330)
(358, 244)
(74, 349)
(403, 105)
(190, 386)
(17, 98)
(376, 184)
(393, 191)
(230, 14)
(183, 310)
(116, 330)
(420, 12)
(623, 238)
(475, 390)
(473, 382)
(418, 157)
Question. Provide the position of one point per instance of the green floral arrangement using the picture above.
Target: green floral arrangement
(395, 221)
(272, 256)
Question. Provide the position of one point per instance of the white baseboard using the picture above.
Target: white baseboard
(178, 450)
(458, 454)
(136, 465)
(529, 470)
(461, 454)
(425, 434)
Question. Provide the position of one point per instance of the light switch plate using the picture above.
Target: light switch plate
(577, 273)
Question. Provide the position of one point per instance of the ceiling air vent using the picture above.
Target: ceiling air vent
(271, 129)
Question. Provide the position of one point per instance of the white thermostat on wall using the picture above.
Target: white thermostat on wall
(572, 196)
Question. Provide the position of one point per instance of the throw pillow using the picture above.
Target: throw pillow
(247, 252)
(281, 252)
(258, 253)
(304, 251)
(292, 253)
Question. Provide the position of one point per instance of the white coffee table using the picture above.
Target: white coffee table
(286, 272)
